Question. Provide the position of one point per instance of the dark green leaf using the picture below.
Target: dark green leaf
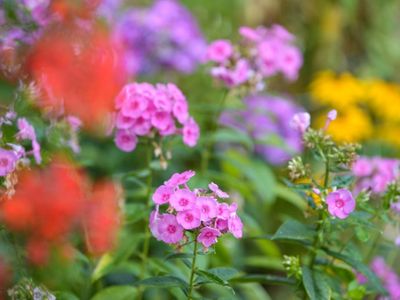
(116, 293)
(359, 266)
(315, 285)
(163, 282)
(293, 231)
(268, 279)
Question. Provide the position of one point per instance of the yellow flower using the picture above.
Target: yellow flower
(337, 91)
(384, 99)
(388, 133)
(351, 125)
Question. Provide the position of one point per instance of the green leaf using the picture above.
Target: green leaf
(163, 282)
(228, 135)
(359, 266)
(293, 231)
(212, 277)
(342, 181)
(121, 292)
(315, 285)
(178, 256)
(102, 266)
(268, 279)
(290, 196)
(224, 273)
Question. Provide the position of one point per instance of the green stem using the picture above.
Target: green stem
(207, 147)
(326, 179)
(146, 242)
(193, 271)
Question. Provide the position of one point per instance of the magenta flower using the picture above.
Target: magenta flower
(215, 188)
(178, 179)
(198, 209)
(146, 110)
(26, 131)
(207, 207)
(191, 132)
(208, 236)
(362, 167)
(219, 51)
(223, 211)
(162, 194)
(189, 219)
(235, 227)
(340, 203)
(182, 200)
(300, 122)
(125, 140)
(8, 160)
(169, 229)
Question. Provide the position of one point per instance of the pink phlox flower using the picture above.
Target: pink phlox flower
(178, 179)
(208, 236)
(215, 188)
(169, 230)
(8, 160)
(207, 207)
(162, 194)
(235, 226)
(219, 51)
(340, 203)
(300, 122)
(189, 219)
(182, 200)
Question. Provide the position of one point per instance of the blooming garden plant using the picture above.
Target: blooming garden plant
(164, 150)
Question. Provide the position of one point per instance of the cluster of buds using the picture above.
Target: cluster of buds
(261, 53)
(197, 211)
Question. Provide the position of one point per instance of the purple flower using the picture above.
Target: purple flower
(389, 278)
(208, 236)
(8, 160)
(374, 173)
(340, 203)
(163, 36)
(26, 131)
(169, 230)
(267, 120)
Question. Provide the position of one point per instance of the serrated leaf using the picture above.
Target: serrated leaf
(315, 285)
(293, 231)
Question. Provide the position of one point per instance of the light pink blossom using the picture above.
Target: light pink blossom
(182, 200)
(340, 203)
(208, 236)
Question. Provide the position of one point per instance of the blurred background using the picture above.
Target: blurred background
(351, 54)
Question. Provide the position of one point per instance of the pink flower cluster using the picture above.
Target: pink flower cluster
(340, 203)
(197, 210)
(375, 173)
(389, 278)
(262, 53)
(144, 110)
(15, 152)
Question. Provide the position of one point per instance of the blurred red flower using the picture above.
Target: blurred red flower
(78, 71)
(101, 222)
(46, 207)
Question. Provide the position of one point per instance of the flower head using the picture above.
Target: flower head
(189, 219)
(183, 200)
(219, 51)
(340, 203)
